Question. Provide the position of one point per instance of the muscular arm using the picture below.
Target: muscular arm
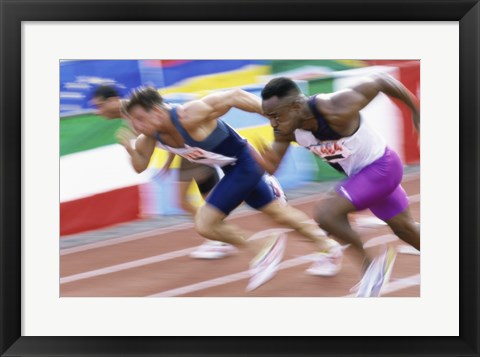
(142, 152)
(393, 88)
(271, 157)
(215, 105)
(345, 104)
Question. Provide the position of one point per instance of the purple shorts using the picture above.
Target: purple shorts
(377, 187)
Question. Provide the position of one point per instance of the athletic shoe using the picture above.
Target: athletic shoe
(377, 274)
(212, 249)
(265, 265)
(327, 264)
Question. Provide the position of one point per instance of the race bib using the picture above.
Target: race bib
(331, 151)
(193, 154)
(200, 156)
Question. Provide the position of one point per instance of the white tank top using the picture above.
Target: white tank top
(206, 157)
(352, 153)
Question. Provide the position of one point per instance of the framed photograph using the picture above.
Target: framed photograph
(45, 308)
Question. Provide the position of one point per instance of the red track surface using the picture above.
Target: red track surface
(157, 263)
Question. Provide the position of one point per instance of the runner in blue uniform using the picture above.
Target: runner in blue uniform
(107, 102)
(194, 131)
(332, 127)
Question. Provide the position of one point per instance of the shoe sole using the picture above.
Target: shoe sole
(315, 273)
(260, 278)
(375, 290)
(312, 271)
(391, 256)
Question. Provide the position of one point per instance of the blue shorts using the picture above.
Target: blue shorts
(243, 181)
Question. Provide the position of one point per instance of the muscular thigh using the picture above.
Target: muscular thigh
(261, 195)
(235, 187)
(374, 183)
(335, 204)
(392, 205)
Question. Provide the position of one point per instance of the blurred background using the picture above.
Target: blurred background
(98, 187)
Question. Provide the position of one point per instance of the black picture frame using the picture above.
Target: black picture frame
(13, 12)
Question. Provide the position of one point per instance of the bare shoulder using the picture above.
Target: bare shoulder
(343, 102)
(214, 99)
(208, 108)
(193, 106)
(195, 111)
(325, 103)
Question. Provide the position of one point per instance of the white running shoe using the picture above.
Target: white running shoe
(265, 265)
(377, 274)
(327, 264)
(212, 249)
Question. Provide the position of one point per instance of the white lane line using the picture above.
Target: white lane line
(180, 253)
(369, 221)
(414, 198)
(284, 265)
(372, 242)
(398, 284)
(407, 249)
(207, 284)
(126, 266)
(137, 236)
(184, 226)
(383, 239)
(227, 279)
(154, 259)
(245, 274)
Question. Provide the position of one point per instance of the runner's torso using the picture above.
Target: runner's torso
(219, 148)
(346, 154)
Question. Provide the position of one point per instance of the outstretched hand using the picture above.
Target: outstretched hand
(265, 155)
(124, 137)
(267, 152)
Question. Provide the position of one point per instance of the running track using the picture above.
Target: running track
(156, 263)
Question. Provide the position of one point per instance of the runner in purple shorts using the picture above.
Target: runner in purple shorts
(332, 127)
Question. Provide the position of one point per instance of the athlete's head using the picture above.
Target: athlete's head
(107, 101)
(146, 110)
(282, 103)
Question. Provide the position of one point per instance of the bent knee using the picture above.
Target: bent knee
(331, 210)
(201, 225)
(206, 219)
